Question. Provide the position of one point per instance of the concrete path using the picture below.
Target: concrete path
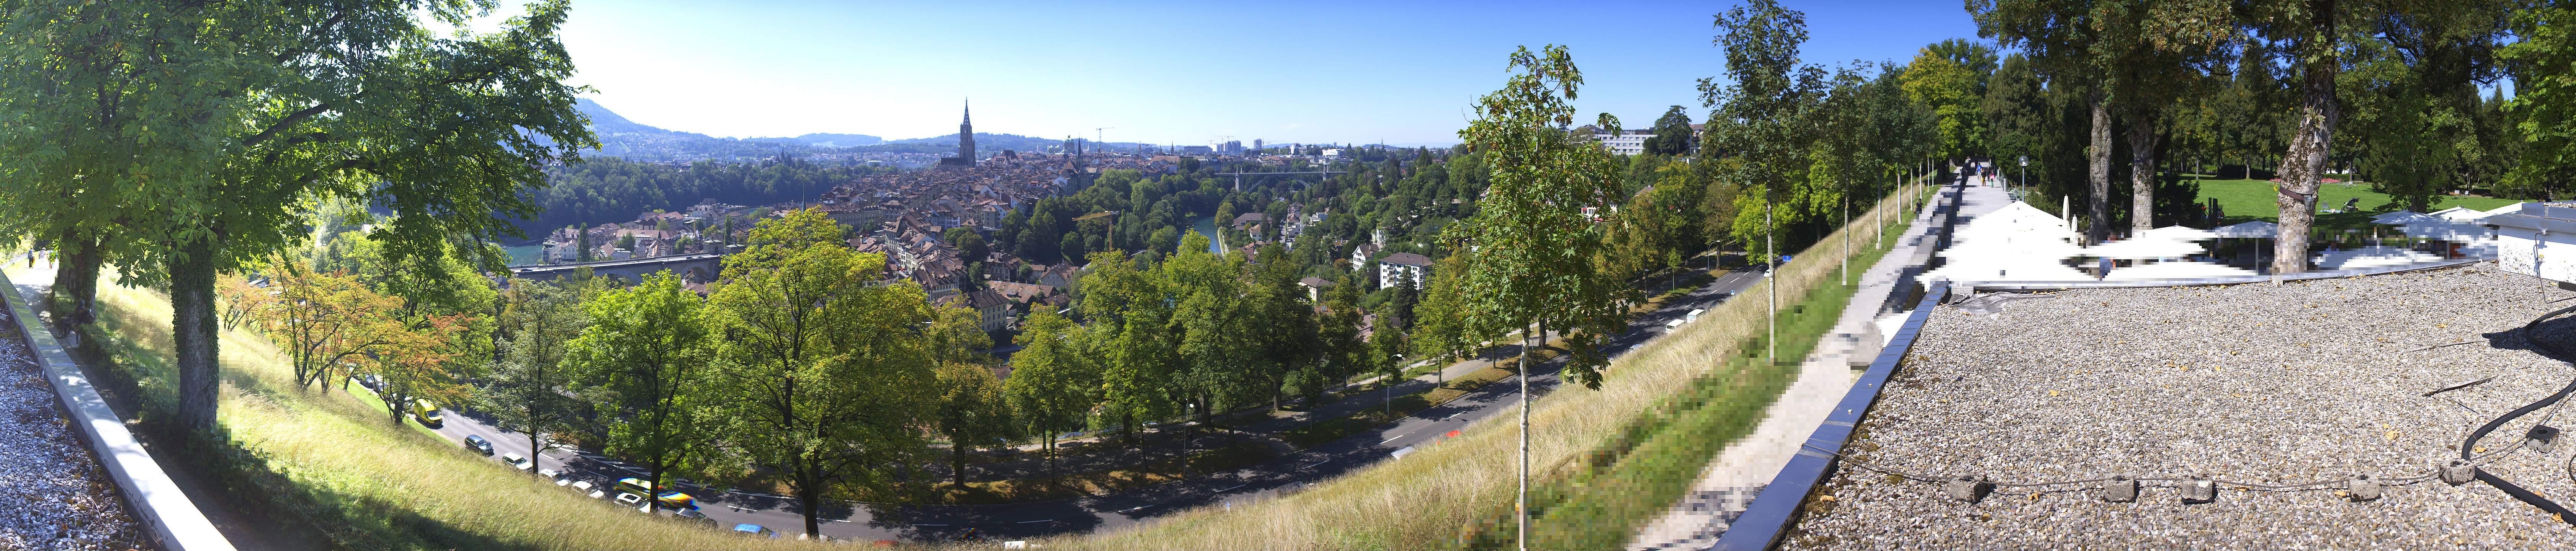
(1739, 472)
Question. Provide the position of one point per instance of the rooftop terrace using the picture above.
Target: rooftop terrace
(2249, 385)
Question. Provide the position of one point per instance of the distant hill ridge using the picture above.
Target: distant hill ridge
(620, 137)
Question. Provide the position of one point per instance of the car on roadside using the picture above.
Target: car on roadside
(372, 382)
(755, 530)
(636, 486)
(478, 444)
(1693, 316)
(516, 461)
(554, 475)
(588, 489)
(427, 413)
(629, 500)
(676, 500)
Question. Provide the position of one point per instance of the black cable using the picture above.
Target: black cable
(2530, 332)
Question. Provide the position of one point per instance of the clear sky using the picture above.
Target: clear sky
(1181, 72)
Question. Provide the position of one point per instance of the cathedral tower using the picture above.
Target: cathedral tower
(966, 135)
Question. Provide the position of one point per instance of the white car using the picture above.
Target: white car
(586, 488)
(1693, 316)
(629, 500)
(517, 461)
(554, 475)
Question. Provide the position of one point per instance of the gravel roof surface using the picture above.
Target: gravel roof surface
(56, 497)
(2257, 384)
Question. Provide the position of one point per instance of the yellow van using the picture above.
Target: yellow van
(427, 413)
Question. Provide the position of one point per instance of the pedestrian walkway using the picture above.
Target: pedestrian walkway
(1739, 472)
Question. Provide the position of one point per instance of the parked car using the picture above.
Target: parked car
(477, 443)
(1694, 315)
(693, 515)
(372, 382)
(517, 461)
(754, 530)
(676, 500)
(636, 486)
(554, 475)
(588, 489)
(629, 500)
(427, 413)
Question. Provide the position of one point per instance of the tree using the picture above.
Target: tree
(970, 245)
(642, 361)
(327, 322)
(824, 372)
(1763, 112)
(525, 390)
(2544, 96)
(1673, 134)
(972, 411)
(1530, 246)
(1954, 92)
(1052, 379)
(448, 132)
(2314, 44)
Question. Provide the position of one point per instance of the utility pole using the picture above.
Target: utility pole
(1771, 271)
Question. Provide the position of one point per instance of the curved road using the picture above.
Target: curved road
(849, 521)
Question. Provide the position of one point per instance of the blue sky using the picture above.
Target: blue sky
(1184, 73)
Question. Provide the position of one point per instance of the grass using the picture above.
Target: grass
(1438, 496)
(2253, 199)
(336, 463)
(1218, 456)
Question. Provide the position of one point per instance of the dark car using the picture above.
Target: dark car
(477, 443)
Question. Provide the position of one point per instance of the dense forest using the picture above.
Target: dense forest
(608, 189)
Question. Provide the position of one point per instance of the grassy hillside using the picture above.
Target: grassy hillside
(337, 462)
(1442, 496)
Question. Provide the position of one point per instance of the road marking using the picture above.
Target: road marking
(1034, 521)
(835, 520)
(1453, 415)
(1390, 439)
(1133, 509)
(1230, 489)
(1312, 465)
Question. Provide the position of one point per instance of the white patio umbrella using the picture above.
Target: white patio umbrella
(2400, 217)
(2371, 257)
(2255, 228)
(2444, 230)
(2181, 233)
(2145, 247)
(2458, 214)
(2175, 270)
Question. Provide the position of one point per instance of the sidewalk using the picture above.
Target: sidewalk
(1740, 471)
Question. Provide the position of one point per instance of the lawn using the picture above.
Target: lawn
(2253, 199)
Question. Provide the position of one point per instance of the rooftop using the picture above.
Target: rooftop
(2313, 381)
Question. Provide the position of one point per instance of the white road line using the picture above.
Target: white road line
(1453, 415)
(1231, 488)
(1133, 509)
(1390, 439)
(1312, 465)
(1034, 521)
(835, 520)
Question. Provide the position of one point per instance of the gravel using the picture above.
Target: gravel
(2259, 384)
(55, 495)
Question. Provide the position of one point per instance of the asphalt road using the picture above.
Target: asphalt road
(1285, 474)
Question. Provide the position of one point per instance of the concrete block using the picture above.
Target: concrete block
(2458, 471)
(2363, 488)
(1968, 489)
(2121, 489)
(2199, 490)
(2541, 438)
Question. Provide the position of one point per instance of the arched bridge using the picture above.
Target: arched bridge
(699, 268)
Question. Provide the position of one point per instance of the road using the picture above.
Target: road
(848, 521)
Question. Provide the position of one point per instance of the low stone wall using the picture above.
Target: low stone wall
(166, 513)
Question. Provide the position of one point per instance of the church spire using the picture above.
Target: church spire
(970, 112)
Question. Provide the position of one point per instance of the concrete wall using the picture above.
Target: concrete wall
(155, 501)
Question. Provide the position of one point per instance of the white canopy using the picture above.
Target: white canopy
(2400, 217)
(2174, 270)
(2371, 257)
(2255, 228)
(2445, 230)
(2014, 243)
(2181, 233)
(2148, 246)
(2458, 214)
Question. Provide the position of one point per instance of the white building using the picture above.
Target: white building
(1626, 143)
(1403, 265)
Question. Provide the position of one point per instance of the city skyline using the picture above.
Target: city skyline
(786, 69)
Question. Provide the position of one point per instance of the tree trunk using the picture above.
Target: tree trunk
(2142, 172)
(808, 499)
(2318, 112)
(1521, 508)
(2098, 157)
(957, 459)
(192, 331)
(76, 279)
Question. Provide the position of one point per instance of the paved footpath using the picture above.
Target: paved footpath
(1740, 471)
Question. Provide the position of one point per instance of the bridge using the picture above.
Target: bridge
(1238, 176)
(699, 268)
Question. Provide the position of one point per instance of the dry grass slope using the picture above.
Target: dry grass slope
(1423, 501)
(398, 488)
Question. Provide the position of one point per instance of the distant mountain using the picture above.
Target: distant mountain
(825, 140)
